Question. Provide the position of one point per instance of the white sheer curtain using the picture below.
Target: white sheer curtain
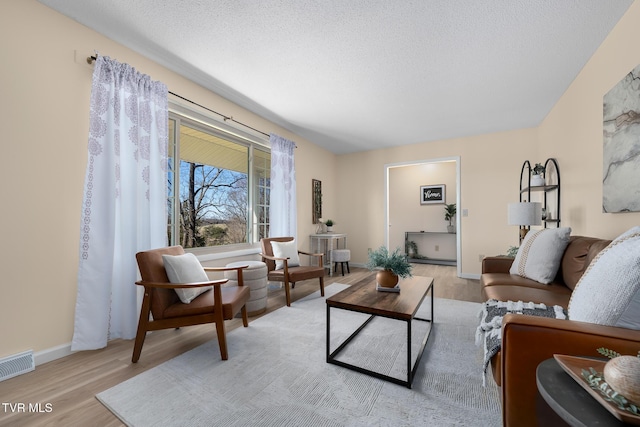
(125, 198)
(283, 212)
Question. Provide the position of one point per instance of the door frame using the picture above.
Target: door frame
(389, 166)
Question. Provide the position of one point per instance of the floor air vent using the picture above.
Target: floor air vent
(17, 364)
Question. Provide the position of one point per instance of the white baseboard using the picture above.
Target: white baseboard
(51, 354)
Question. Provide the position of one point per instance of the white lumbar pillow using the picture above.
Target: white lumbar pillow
(540, 254)
(608, 293)
(186, 269)
(286, 250)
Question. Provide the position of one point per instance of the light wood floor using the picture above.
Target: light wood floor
(66, 387)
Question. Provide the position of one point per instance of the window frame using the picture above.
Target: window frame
(202, 120)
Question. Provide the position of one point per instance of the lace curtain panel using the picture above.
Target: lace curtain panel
(282, 204)
(125, 198)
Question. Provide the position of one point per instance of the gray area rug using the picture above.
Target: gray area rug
(277, 375)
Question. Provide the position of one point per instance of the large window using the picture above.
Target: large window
(218, 186)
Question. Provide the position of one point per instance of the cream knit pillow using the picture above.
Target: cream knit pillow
(540, 254)
(185, 269)
(608, 293)
(286, 250)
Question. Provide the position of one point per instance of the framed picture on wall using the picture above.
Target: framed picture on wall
(432, 194)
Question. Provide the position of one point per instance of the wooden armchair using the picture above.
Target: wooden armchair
(290, 274)
(161, 301)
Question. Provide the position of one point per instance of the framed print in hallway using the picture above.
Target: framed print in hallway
(432, 194)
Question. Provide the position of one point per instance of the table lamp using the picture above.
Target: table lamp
(524, 215)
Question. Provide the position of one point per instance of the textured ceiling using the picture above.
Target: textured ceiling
(353, 75)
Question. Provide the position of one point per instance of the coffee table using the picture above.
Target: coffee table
(363, 297)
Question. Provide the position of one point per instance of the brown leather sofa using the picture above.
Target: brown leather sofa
(529, 340)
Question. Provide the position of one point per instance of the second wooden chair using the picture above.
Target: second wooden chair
(281, 268)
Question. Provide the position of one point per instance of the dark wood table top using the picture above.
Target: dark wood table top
(363, 297)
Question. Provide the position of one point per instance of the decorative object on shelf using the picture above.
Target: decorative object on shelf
(512, 251)
(391, 265)
(524, 215)
(587, 372)
(622, 373)
(621, 112)
(544, 214)
(329, 223)
(537, 175)
(619, 381)
(319, 227)
(316, 199)
(432, 194)
(412, 249)
(450, 213)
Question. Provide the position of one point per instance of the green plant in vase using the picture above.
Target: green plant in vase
(391, 265)
(537, 175)
(329, 223)
(412, 249)
(449, 213)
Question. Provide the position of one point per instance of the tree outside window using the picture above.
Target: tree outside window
(211, 189)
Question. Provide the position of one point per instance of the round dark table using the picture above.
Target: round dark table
(572, 403)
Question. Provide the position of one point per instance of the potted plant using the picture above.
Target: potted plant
(391, 265)
(412, 249)
(537, 178)
(450, 212)
(512, 251)
(329, 223)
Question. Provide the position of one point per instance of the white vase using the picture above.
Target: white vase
(329, 228)
(537, 180)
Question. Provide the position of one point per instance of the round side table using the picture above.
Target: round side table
(255, 277)
(566, 401)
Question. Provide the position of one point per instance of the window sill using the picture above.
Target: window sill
(218, 253)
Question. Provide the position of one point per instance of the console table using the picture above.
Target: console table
(324, 243)
(426, 260)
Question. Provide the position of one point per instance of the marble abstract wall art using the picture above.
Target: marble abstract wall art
(621, 146)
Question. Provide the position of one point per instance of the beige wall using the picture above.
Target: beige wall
(44, 113)
(44, 106)
(573, 132)
(490, 167)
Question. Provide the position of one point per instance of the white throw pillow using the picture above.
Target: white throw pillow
(540, 254)
(608, 293)
(286, 250)
(186, 269)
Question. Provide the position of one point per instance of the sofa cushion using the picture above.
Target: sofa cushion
(609, 291)
(559, 296)
(505, 279)
(577, 257)
(185, 269)
(286, 250)
(540, 254)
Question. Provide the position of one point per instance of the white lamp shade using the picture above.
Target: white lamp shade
(525, 213)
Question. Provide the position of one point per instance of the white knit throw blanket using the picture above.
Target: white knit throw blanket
(489, 331)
